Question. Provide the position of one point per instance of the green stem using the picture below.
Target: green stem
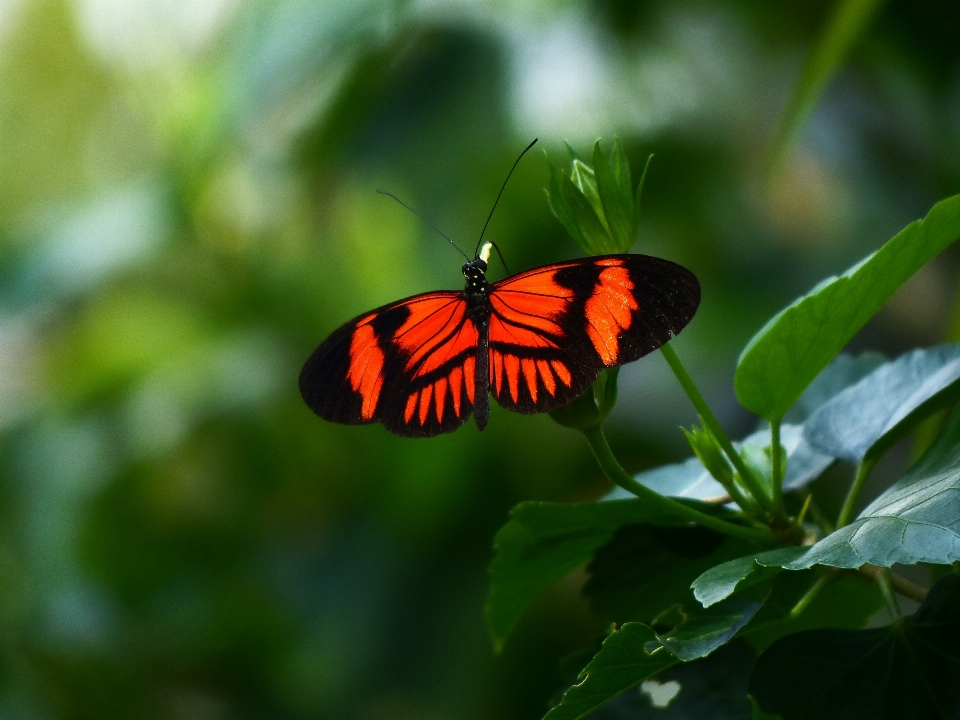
(776, 471)
(753, 485)
(613, 470)
(886, 589)
(810, 595)
(863, 472)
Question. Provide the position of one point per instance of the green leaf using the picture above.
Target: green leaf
(617, 208)
(690, 479)
(915, 520)
(722, 581)
(718, 682)
(622, 662)
(643, 569)
(869, 417)
(543, 542)
(635, 652)
(906, 670)
(703, 631)
(846, 24)
(848, 601)
(787, 354)
(842, 372)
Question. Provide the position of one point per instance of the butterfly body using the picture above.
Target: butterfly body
(535, 341)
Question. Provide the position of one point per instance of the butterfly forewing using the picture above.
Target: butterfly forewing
(409, 365)
(553, 329)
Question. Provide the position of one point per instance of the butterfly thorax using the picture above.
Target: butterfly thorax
(477, 291)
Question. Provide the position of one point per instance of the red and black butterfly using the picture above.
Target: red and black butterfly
(536, 341)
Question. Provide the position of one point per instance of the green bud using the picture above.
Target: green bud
(596, 204)
(707, 449)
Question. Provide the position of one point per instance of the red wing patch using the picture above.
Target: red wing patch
(553, 329)
(409, 365)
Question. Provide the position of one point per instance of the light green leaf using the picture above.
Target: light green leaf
(543, 542)
(867, 418)
(787, 354)
(915, 520)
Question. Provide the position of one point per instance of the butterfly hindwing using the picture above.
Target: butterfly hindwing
(554, 328)
(409, 365)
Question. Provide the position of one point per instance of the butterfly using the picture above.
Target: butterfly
(535, 341)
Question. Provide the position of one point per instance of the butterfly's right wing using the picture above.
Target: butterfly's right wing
(409, 365)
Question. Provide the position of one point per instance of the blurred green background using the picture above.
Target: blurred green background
(188, 206)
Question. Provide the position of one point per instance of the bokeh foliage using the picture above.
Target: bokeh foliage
(187, 206)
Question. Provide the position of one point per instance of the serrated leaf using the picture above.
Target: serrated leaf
(915, 520)
(543, 541)
(906, 670)
(870, 416)
(789, 351)
(635, 652)
(722, 581)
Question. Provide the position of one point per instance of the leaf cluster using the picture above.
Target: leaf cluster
(731, 549)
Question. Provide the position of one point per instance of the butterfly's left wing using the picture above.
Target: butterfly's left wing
(409, 365)
(554, 328)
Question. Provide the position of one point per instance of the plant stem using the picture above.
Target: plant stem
(613, 470)
(886, 589)
(752, 483)
(863, 472)
(776, 472)
(810, 595)
(899, 583)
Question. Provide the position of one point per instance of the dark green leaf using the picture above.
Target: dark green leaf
(635, 652)
(867, 418)
(848, 600)
(704, 630)
(713, 687)
(907, 670)
(789, 351)
(622, 663)
(644, 569)
(543, 542)
(723, 580)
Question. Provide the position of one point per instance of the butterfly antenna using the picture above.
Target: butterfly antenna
(501, 193)
(441, 232)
